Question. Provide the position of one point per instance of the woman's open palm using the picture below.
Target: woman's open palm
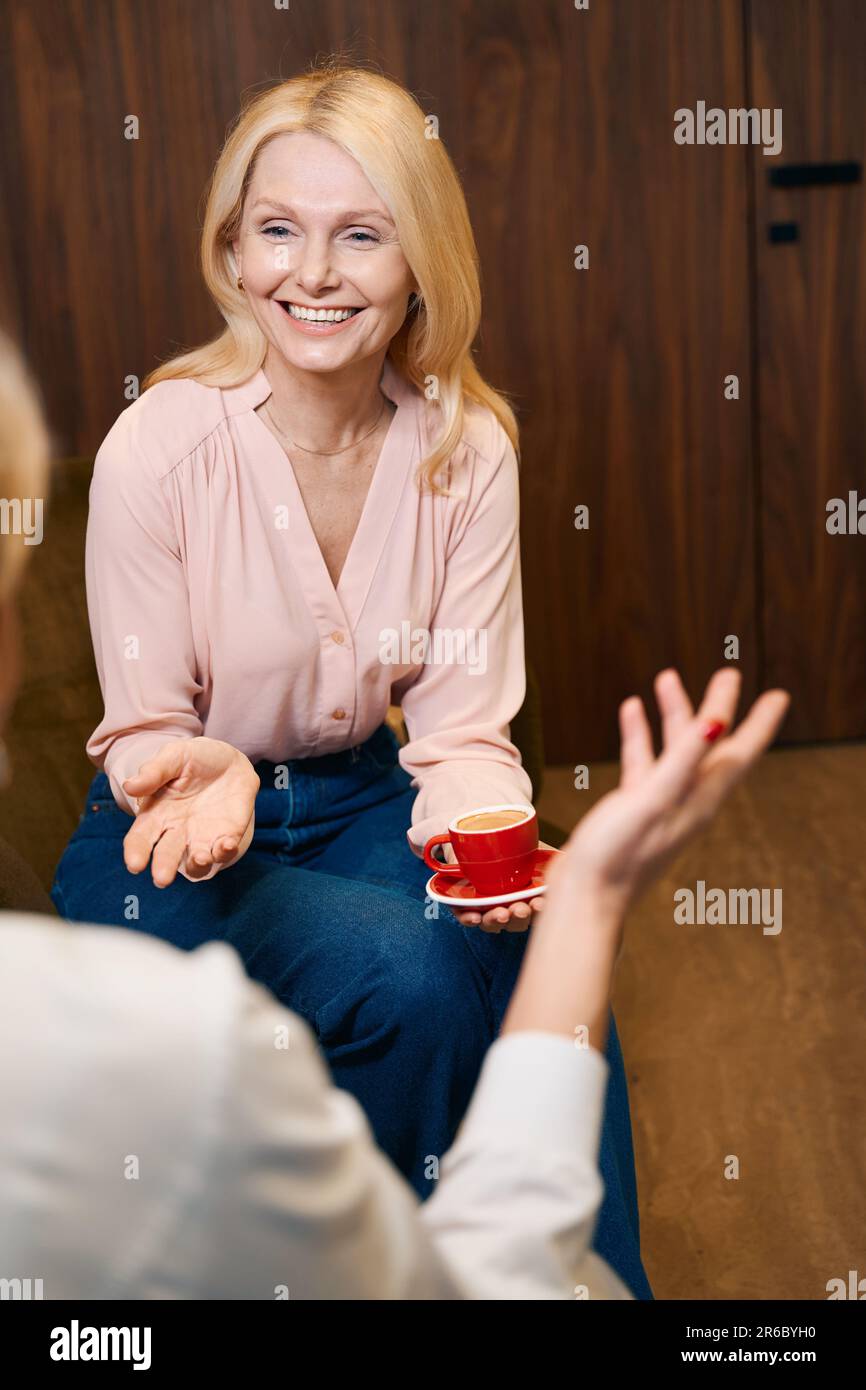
(662, 802)
(196, 810)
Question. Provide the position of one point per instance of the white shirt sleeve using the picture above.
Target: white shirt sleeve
(520, 1188)
(199, 1149)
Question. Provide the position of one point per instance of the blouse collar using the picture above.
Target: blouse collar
(256, 389)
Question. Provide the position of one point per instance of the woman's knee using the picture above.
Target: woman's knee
(421, 989)
(439, 986)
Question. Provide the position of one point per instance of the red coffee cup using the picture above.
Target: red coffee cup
(495, 847)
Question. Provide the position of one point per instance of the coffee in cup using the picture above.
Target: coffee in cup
(491, 820)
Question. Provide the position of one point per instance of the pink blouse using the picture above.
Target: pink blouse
(212, 611)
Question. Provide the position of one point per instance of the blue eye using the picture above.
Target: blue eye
(281, 233)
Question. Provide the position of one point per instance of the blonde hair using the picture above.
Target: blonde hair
(382, 127)
(25, 451)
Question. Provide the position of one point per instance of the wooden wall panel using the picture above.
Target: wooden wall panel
(561, 123)
(619, 370)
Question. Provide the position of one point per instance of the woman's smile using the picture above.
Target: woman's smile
(320, 321)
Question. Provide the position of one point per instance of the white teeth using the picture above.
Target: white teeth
(321, 315)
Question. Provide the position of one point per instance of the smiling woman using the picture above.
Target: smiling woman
(310, 271)
(359, 180)
(330, 467)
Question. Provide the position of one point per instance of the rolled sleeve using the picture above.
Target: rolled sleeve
(520, 1189)
(138, 606)
(458, 711)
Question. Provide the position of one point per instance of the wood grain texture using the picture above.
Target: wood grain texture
(617, 372)
(809, 59)
(752, 1045)
(561, 125)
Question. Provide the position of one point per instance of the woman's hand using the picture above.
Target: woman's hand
(632, 833)
(196, 805)
(626, 840)
(629, 836)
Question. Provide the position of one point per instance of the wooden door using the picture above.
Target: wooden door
(808, 57)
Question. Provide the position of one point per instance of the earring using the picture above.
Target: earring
(240, 283)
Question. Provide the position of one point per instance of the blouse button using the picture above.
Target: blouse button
(337, 637)
(339, 714)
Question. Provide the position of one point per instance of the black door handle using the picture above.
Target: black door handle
(783, 231)
(804, 175)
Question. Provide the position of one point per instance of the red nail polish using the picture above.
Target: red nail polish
(713, 728)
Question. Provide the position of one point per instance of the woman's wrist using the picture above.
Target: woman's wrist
(236, 755)
(565, 982)
(573, 883)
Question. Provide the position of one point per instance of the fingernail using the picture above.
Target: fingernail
(713, 729)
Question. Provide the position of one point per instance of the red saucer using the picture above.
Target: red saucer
(459, 892)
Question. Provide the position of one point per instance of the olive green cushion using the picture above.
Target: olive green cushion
(20, 889)
(59, 702)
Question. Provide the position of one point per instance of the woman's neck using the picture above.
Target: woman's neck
(324, 411)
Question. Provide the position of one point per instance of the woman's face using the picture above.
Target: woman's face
(316, 236)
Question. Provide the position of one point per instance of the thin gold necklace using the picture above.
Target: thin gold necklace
(324, 453)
